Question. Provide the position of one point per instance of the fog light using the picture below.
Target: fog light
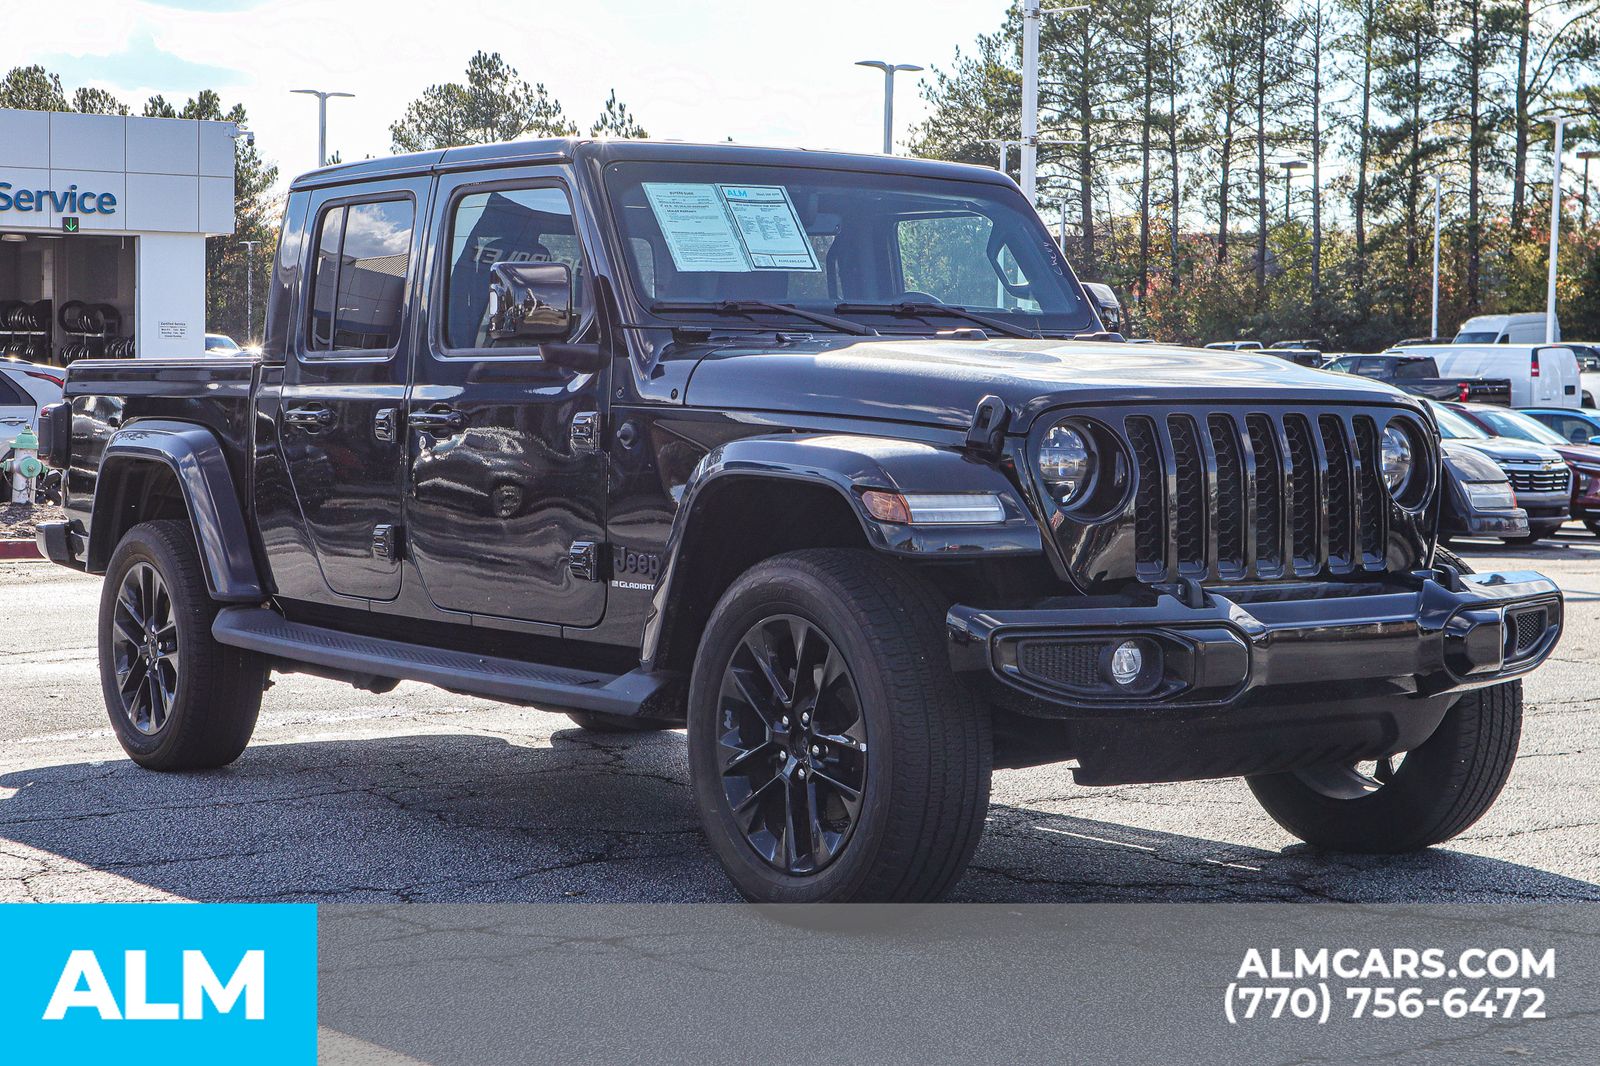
(1127, 663)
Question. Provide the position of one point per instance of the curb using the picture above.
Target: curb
(19, 549)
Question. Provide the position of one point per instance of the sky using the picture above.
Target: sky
(756, 71)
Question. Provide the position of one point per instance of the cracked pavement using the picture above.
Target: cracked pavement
(420, 795)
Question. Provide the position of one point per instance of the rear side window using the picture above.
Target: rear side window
(11, 396)
(362, 263)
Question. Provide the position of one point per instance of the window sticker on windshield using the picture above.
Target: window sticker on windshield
(770, 228)
(699, 231)
(730, 228)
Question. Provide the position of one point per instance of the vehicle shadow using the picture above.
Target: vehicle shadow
(488, 818)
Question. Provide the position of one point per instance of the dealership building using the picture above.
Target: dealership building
(103, 227)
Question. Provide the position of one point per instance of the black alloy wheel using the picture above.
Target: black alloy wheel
(145, 649)
(792, 744)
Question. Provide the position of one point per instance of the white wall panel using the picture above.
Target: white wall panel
(163, 202)
(88, 142)
(24, 139)
(163, 146)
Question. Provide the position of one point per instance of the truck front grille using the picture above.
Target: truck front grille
(1541, 479)
(1256, 495)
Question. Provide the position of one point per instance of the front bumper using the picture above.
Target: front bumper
(1428, 633)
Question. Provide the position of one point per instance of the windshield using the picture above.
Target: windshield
(856, 244)
(1476, 338)
(1520, 426)
(214, 340)
(1453, 427)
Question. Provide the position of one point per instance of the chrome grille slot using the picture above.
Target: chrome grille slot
(1341, 494)
(1189, 503)
(1304, 509)
(1230, 501)
(1371, 492)
(1149, 531)
(1268, 495)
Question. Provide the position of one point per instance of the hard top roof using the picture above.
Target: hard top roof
(575, 149)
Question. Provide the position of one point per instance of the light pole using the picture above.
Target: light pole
(1550, 328)
(889, 70)
(1586, 156)
(1031, 14)
(1433, 331)
(1289, 167)
(249, 288)
(322, 120)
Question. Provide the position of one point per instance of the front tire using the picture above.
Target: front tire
(833, 754)
(1435, 792)
(177, 699)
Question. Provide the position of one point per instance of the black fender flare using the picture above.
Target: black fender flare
(198, 462)
(850, 464)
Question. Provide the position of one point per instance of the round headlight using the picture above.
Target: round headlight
(1396, 458)
(1065, 463)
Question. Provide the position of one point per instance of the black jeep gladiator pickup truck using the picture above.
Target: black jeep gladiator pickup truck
(824, 457)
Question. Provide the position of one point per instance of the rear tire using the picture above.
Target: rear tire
(177, 699)
(768, 743)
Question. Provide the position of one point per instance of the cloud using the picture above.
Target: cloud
(142, 65)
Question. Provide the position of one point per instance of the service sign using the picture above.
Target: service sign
(69, 201)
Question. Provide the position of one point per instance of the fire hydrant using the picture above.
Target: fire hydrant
(23, 466)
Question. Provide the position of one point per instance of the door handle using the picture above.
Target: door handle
(312, 417)
(439, 422)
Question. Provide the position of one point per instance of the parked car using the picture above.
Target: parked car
(222, 344)
(25, 390)
(1540, 375)
(1236, 346)
(1539, 476)
(1588, 371)
(1582, 458)
(1579, 427)
(1478, 499)
(1419, 374)
(865, 525)
(1505, 329)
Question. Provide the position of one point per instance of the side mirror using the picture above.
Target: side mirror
(530, 302)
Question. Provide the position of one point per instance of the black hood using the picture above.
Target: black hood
(1510, 450)
(939, 382)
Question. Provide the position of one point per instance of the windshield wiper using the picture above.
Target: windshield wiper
(745, 307)
(915, 309)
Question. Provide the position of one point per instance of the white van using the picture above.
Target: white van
(1504, 329)
(1541, 375)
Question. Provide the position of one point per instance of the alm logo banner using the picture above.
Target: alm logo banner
(156, 982)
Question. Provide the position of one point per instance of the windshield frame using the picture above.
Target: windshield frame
(888, 321)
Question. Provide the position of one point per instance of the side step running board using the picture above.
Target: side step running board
(261, 630)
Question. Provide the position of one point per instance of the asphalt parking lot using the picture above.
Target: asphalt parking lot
(419, 795)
